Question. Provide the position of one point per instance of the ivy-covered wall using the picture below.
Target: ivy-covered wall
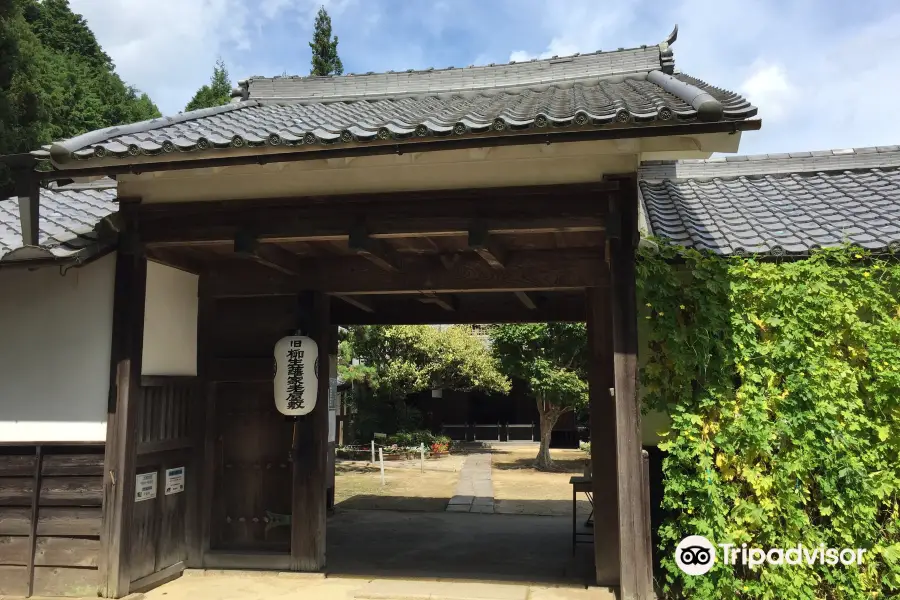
(782, 382)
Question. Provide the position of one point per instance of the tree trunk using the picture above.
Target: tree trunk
(549, 414)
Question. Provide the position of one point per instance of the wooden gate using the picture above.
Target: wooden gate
(168, 410)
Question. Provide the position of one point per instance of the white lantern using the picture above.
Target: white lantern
(296, 375)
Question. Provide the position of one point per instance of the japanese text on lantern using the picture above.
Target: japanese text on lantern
(295, 386)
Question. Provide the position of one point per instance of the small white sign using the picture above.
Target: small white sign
(174, 480)
(145, 487)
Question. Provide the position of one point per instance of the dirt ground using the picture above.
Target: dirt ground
(358, 484)
(520, 489)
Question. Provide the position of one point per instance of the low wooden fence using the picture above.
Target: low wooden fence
(50, 517)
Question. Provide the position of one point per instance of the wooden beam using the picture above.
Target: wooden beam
(485, 246)
(275, 257)
(531, 270)
(177, 260)
(390, 310)
(550, 209)
(35, 503)
(449, 260)
(357, 302)
(445, 301)
(526, 300)
(205, 431)
(121, 448)
(635, 562)
(371, 249)
(309, 497)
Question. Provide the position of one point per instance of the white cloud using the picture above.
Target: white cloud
(770, 90)
(168, 47)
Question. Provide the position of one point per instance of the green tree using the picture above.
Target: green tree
(21, 110)
(56, 80)
(398, 360)
(325, 59)
(552, 359)
(216, 93)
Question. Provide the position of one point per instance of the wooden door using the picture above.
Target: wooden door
(252, 497)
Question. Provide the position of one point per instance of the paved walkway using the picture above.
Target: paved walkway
(475, 489)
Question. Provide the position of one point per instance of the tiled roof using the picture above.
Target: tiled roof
(776, 203)
(68, 218)
(606, 89)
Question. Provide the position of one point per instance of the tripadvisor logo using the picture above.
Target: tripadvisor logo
(695, 555)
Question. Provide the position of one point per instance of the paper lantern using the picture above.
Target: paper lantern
(296, 375)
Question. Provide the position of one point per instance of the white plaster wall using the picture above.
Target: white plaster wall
(170, 322)
(55, 343)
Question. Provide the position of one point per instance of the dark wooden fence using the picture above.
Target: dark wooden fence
(50, 515)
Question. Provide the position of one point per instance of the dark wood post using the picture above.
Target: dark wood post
(604, 470)
(203, 434)
(635, 562)
(309, 500)
(121, 448)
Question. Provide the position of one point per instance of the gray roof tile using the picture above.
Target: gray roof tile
(68, 218)
(628, 87)
(776, 204)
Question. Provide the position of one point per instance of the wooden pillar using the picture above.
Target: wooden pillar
(201, 498)
(604, 469)
(635, 562)
(332, 418)
(310, 450)
(121, 447)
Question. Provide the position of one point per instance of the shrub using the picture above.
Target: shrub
(413, 439)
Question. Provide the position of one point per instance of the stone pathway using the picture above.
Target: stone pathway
(475, 489)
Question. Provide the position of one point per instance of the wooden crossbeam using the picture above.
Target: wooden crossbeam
(390, 310)
(532, 270)
(371, 249)
(272, 256)
(358, 303)
(445, 301)
(542, 210)
(526, 300)
(485, 246)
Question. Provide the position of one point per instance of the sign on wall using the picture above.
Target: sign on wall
(145, 486)
(174, 480)
(296, 375)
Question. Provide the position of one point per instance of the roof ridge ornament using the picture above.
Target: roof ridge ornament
(666, 56)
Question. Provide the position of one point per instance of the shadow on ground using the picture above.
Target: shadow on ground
(560, 465)
(464, 546)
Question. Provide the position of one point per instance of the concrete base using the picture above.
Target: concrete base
(394, 589)
(460, 546)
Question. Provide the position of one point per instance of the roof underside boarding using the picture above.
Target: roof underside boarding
(779, 204)
(620, 89)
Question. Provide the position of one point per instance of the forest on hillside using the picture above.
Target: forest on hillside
(55, 79)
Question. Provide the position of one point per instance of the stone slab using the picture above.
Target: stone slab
(458, 507)
(462, 500)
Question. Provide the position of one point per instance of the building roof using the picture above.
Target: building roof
(69, 216)
(776, 204)
(622, 88)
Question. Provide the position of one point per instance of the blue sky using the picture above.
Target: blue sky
(824, 73)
